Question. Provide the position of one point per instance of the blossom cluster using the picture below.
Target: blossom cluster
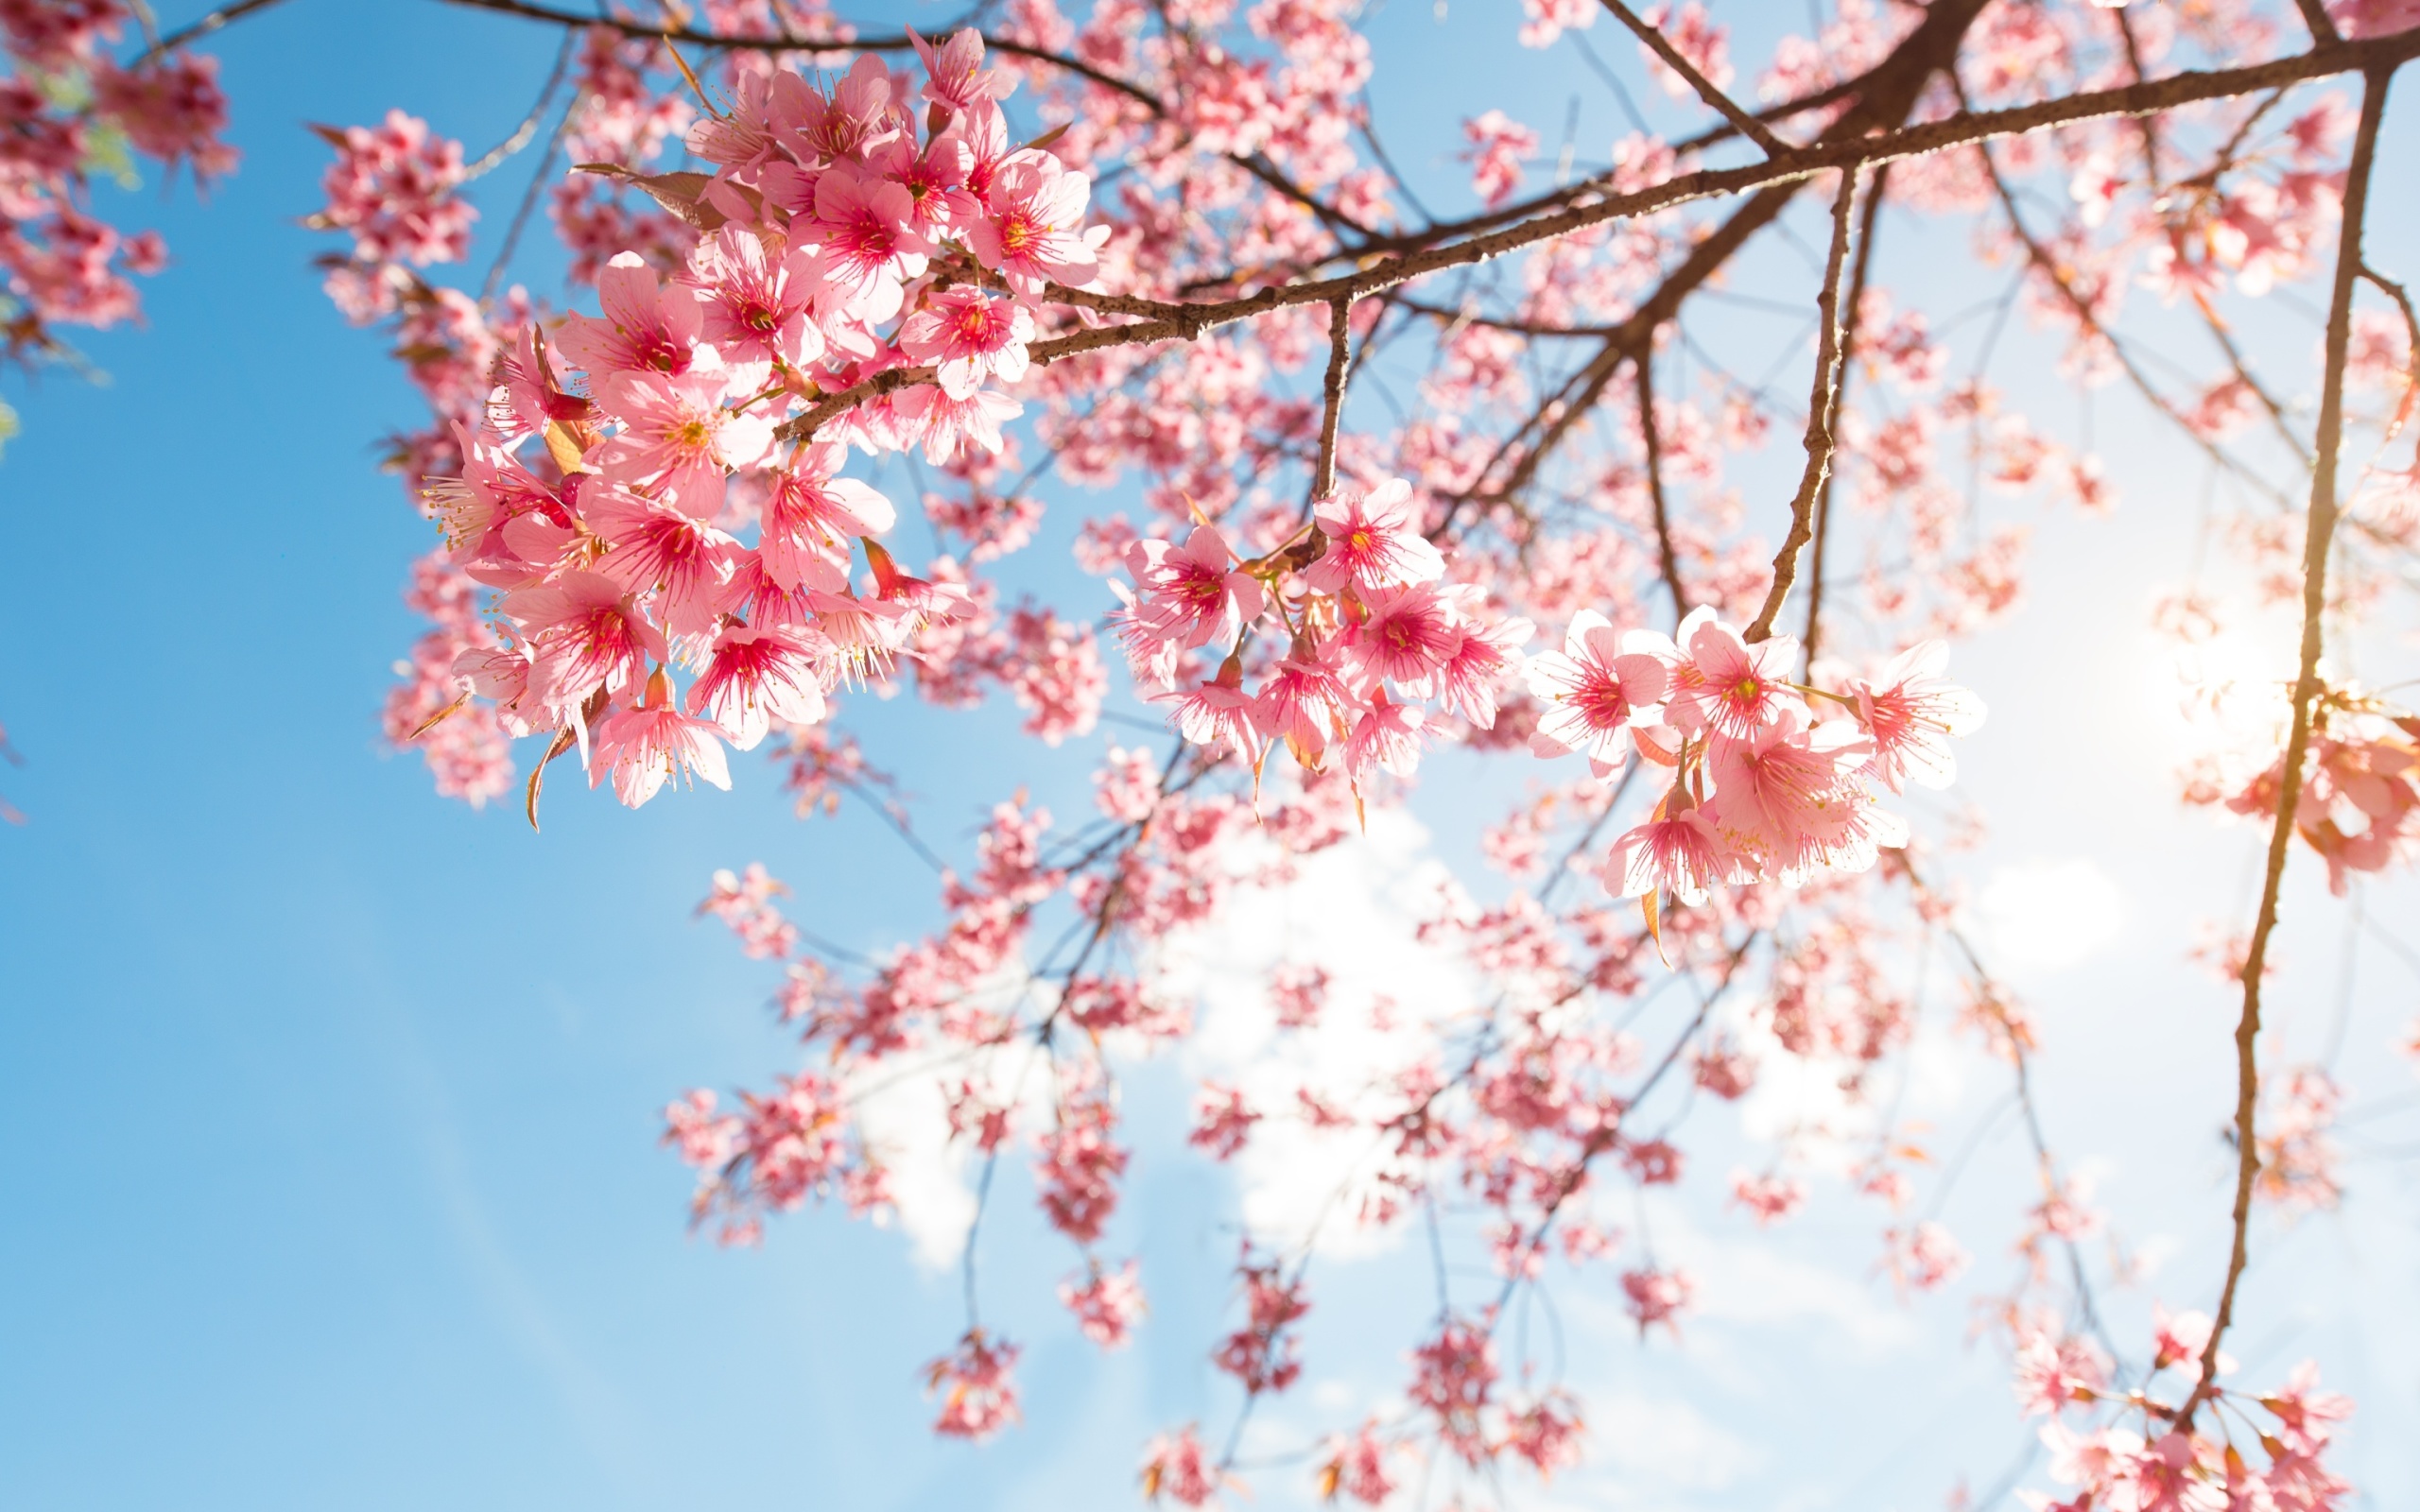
(1762, 790)
(1360, 629)
(605, 483)
(2359, 804)
(2146, 1454)
(71, 114)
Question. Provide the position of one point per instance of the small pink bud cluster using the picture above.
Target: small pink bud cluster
(744, 901)
(1369, 631)
(2360, 803)
(1761, 788)
(977, 1392)
(2151, 1454)
(392, 186)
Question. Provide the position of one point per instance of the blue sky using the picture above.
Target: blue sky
(327, 1165)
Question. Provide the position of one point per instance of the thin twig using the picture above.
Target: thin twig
(529, 204)
(203, 28)
(1661, 45)
(1850, 326)
(1339, 368)
(494, 158)
(1822, 412)
(2317, 534)
(1647, 428)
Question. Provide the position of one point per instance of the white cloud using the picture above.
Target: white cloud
(1667, 1440)
(2042, 915)
(908, 1124)
(1355, 909)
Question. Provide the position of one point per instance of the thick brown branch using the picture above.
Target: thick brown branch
(2317, 534)
(1822, 412)
(1724, 104)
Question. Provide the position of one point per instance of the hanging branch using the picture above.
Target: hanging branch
(1823, 412)
(2317, 534)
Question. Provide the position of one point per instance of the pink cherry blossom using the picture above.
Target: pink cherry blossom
(1722, 684)
(650, 545)
(1030, 228)
(1909, 712)
(1409, 638)
(756, 677)
(812, 514)
(1193, 594)
(678, 439)
(649, 326)
(976, 1387)
(971, 339)
(1682, 853)
(1107, 1306)
(1598, 687)
(645, 748)
(587, 634)
(756, 308)
(1373, 540)
(868, 246)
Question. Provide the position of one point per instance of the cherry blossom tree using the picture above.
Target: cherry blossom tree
(1406, 482)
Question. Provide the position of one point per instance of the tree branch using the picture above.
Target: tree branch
(223, 16)
(1661, 45)
(1339, 368)
(1850, 326)
(1822, 412)
(1646, 428)
(787, 41)
(1779, 175)
(2317, 534)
